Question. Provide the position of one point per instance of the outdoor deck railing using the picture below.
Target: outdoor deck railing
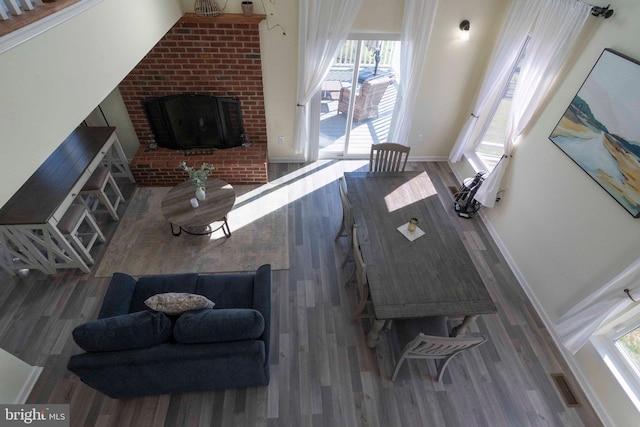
(14, 12)
(12, 7)
(21, 20)
(347, 55)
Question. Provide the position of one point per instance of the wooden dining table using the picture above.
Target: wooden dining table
(428, 276)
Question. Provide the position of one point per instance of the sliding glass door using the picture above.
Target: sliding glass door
(358, 97)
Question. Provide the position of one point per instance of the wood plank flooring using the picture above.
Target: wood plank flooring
(323, 374)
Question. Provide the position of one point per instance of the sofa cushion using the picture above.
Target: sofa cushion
(128, 331)
(228, 290)
(219, 325)
(177, 302)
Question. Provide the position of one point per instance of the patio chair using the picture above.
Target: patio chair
(367, 100)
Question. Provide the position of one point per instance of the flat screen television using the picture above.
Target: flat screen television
(190, 121)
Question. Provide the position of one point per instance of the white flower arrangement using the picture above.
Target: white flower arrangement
(197, 176)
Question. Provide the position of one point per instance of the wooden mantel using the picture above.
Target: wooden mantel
(224, 18)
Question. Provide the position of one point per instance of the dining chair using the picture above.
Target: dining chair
(388, 157)
(346, 228)
(432, 343)
(359, 276)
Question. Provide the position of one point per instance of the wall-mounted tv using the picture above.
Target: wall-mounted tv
(190, 121)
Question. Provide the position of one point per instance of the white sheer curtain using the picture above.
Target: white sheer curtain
(583, 320)
(417, 23)
(322, 27)
(513, 36)
(557, 29)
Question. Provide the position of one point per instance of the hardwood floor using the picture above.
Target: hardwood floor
(323, 374)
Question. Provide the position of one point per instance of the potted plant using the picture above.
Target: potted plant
(198, 177)
(247, 8)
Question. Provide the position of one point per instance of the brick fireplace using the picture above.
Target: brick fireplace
(218, 56)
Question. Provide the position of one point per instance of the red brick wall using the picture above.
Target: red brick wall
(218, 59)
(239, 165)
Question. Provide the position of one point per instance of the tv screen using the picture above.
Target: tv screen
(190, 121)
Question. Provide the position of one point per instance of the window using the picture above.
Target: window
(618, 343)
(490, 147)
(629, 345)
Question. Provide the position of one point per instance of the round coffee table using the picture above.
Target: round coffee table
(176, 208)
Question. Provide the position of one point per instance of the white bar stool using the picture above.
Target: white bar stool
(81, 239)
(96, 186)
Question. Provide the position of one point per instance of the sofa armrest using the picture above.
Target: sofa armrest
(117, 300)
(262, 302)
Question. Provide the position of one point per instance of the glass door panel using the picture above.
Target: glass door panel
(350, 124)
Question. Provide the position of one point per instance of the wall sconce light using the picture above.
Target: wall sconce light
(464, 30)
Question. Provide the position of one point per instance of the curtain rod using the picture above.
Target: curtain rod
(603, 11)
(628, 292)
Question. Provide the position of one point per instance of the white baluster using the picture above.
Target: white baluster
(3, 13)
(27, 5)
(14, 9)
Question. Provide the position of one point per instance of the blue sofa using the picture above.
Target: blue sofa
(133, 351)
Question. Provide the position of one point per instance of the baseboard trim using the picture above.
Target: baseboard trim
(410, 159)
(286, 160)
(428, 159)
(28, 385)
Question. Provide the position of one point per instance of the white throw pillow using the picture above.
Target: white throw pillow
(177, 303)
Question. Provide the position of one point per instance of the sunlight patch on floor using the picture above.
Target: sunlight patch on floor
(406, 195)
(278, 193)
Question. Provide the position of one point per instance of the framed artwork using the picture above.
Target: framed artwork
(600, 130)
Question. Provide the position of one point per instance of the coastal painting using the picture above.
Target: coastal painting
(600, 130)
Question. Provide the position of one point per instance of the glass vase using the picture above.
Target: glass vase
(200, 194)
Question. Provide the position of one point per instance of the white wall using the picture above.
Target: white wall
(52, 82)
(18, 378)
(279, 74)
(114, 113)
(453, 68)
(452, 74)
(568, 236)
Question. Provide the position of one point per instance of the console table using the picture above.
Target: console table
(29, 236)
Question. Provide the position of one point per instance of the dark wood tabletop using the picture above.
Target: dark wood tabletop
(176, 206)
(432, 275)
(39, 197)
